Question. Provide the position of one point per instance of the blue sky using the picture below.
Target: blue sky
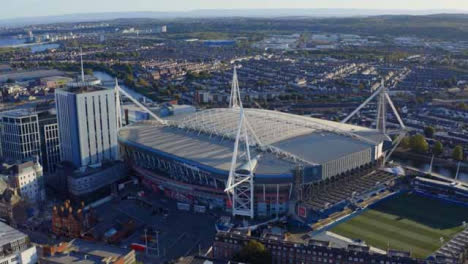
(27, 8)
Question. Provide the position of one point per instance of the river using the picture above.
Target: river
(8, 42)
(424, 166)
(20, 42)
(109, 81)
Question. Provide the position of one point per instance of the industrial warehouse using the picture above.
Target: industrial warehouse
(264, 160)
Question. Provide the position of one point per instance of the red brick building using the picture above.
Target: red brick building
(70, 223)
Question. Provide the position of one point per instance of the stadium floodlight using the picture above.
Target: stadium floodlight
(381, 117)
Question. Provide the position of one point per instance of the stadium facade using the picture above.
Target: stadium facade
(189, 157)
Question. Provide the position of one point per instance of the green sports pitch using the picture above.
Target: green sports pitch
(409, 222)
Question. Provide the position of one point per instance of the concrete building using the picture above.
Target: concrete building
(92, 178)
(88, 126)
(55, 81)
(15, 247)
(28, 75)
(132, 113)
(28, 178)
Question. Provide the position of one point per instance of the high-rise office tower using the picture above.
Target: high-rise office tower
(87, 124)
(20, 134)
(50, 145)
(30, 133)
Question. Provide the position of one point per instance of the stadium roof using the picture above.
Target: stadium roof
(207, 138)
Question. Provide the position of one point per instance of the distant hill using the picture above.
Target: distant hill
(213, 13)
(441, 26)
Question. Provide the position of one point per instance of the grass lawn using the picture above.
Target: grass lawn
(407, 222)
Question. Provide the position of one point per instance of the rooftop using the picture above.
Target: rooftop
(55, 78)
(21, 112)
(214, 131)
(28, 75)
(83, 88)
(85, 252)
(43, 111)
(8, 234)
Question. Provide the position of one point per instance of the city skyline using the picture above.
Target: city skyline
(34, 8)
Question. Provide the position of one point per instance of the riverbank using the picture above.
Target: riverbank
(447, 163)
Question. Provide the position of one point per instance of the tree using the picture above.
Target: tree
(457, 153)
(143, 82)
(420, 100)
(405, 142)
(88, 71)
(128, 68)
(419, 144)
(429, 131)
(361, 86)
(253, 252)
(463, 106)
(438, 148)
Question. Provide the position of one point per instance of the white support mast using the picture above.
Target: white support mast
(118, 110)
(429, 171)
(235, 99)
(82, 68)
(381, 118)
(240, 183)
(361, 106)
(144, 108)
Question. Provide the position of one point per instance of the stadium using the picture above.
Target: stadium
(189, 157)
(329, 176)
